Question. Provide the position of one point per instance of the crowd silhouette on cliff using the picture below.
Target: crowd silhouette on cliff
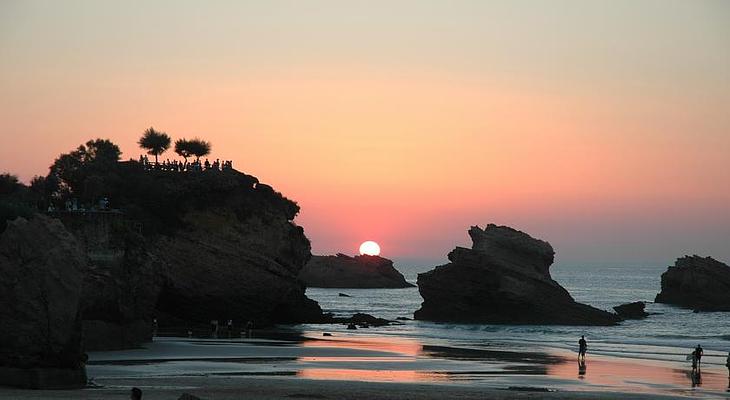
(179, 166)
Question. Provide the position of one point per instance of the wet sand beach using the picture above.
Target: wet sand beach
(372, 366)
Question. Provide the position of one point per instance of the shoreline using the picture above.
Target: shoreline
(371, 365)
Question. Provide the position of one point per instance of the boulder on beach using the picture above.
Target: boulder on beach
(700, 283)
(633, 310)
(342, 271)
(41, 266)
(503, 279)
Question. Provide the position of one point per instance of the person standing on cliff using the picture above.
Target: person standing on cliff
(582, 347)
(249, 329)
(214, 329)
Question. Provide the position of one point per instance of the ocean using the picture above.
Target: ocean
(669, 334)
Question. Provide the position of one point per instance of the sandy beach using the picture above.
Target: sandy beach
(308, 365)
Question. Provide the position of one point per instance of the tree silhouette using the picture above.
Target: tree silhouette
(71, 170)
(199, 148)
(8, 183)
(183, 148)
(154, 142)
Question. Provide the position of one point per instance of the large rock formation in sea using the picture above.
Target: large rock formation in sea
(41, 275)
(342, 271)
(184, 248)
(701, 283)
(237, 257)
(190, 248)
(503, 279)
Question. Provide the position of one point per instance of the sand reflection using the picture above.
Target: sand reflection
(401, 346)
(636, 374)
(372, 375)
(400, 353)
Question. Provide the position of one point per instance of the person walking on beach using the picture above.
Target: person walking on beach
(693, 356)
(582, 347)
(698, 354)
(727, 364)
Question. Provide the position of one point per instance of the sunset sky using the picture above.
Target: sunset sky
(600, 126)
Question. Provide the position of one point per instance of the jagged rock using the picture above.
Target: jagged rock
(236, 256)
(227, 250)
(633, 310)
(342, 271)
(701, 283)
(504, 279)
(41, 266)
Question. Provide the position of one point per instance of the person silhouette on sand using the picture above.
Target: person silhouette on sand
(136, 394)
(582, 347)
(727, 364)
(698, 354)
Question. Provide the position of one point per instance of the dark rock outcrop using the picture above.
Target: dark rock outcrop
(701, 283)
(633, 310)
(503, 279)
(41, 267)
(224, 248)
(361, 320)
(342, 271)
(237, 257)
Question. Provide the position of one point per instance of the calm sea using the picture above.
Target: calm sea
(668, 334)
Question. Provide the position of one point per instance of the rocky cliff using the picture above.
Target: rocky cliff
(237, 257)
(187, 248)
(504, 279)
(215, 245)
(342, 271)
(701, 283)
(41, 277)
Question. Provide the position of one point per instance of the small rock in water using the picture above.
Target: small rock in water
(344, 295)
(326, 334)
(633, 310)
(188, 396)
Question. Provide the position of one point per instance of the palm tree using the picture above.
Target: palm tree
(183, 148)
(154, 142)
(199, 148)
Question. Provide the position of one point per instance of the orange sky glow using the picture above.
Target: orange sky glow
(604, 129)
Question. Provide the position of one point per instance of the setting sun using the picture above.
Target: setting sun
(370, 248)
